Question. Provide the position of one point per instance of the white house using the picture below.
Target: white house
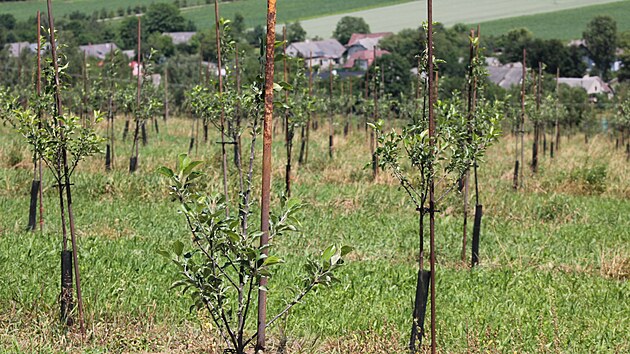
(364, 41)
(99, 51)
(326, 53)
(593, 85)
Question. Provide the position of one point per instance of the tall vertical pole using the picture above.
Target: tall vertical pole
(432, 139)
(466, 177)
(537, 124)
(84, 108)
(349, 107)
(288, 130)
(366, 95)
(222, 123)
(331, 128)
(66, 172)
(166, 112)
(557, 132)
(310, 96)
(39, 93)
(266, 167)
(522, 125)
(375, 94)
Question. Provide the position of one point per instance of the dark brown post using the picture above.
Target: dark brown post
(266, 167)
(376, 118)
(36, 185)
(432, 138)
(166, 112)
(222, 123)
(66, 172)
(557, 132)
(522, 123)
(366, 96)
(537, 125)
(348, 109)
(331, 128)
(288, 130)
(39, 92)
(465, 177)
(133, 160)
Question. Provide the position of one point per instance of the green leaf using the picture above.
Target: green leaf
(271, 260)
(178, 248)
(328, 253)
(164, 253)
(182, 161)
(345, 250)
(165, 171)
(188, 169)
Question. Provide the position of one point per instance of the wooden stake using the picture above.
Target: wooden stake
(66, 171)
(222, 123)
(266, 168)
(432, 141)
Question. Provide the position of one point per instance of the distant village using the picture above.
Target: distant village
(352, 59)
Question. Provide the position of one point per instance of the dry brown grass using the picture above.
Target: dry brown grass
(41, 332)
(615, 266)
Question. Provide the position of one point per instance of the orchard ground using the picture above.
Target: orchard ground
(555, 256)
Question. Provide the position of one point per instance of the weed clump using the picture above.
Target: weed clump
(14, 155)
(555, 208)
(590, 179)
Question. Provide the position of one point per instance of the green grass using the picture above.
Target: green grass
(202, 14)
(566, 24)
(543, 282)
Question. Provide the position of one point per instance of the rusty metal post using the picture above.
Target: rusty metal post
(266, 168)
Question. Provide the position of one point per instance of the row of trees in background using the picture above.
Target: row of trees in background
(446, 129)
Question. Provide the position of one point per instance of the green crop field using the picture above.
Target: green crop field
(203, 14)
(564, 19)
(410, 15)
(555, 257)
(566, 24)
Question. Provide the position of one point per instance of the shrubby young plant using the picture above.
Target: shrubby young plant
(227, 264)
(222, 270)
(62, 143)
(460, 142)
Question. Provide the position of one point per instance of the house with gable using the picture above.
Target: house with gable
(98, 51)
(326, 53)
(507, 75)
(16, 49)
(593, 85)
(180, 37)
(364, 41)
(363, 60)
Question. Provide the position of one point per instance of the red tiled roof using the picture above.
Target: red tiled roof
(358, 36)
(364, 55)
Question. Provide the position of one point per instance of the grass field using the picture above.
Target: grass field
(566, 24)
(203, 14)
(563, 19)
(555, 257)
(410, 15)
